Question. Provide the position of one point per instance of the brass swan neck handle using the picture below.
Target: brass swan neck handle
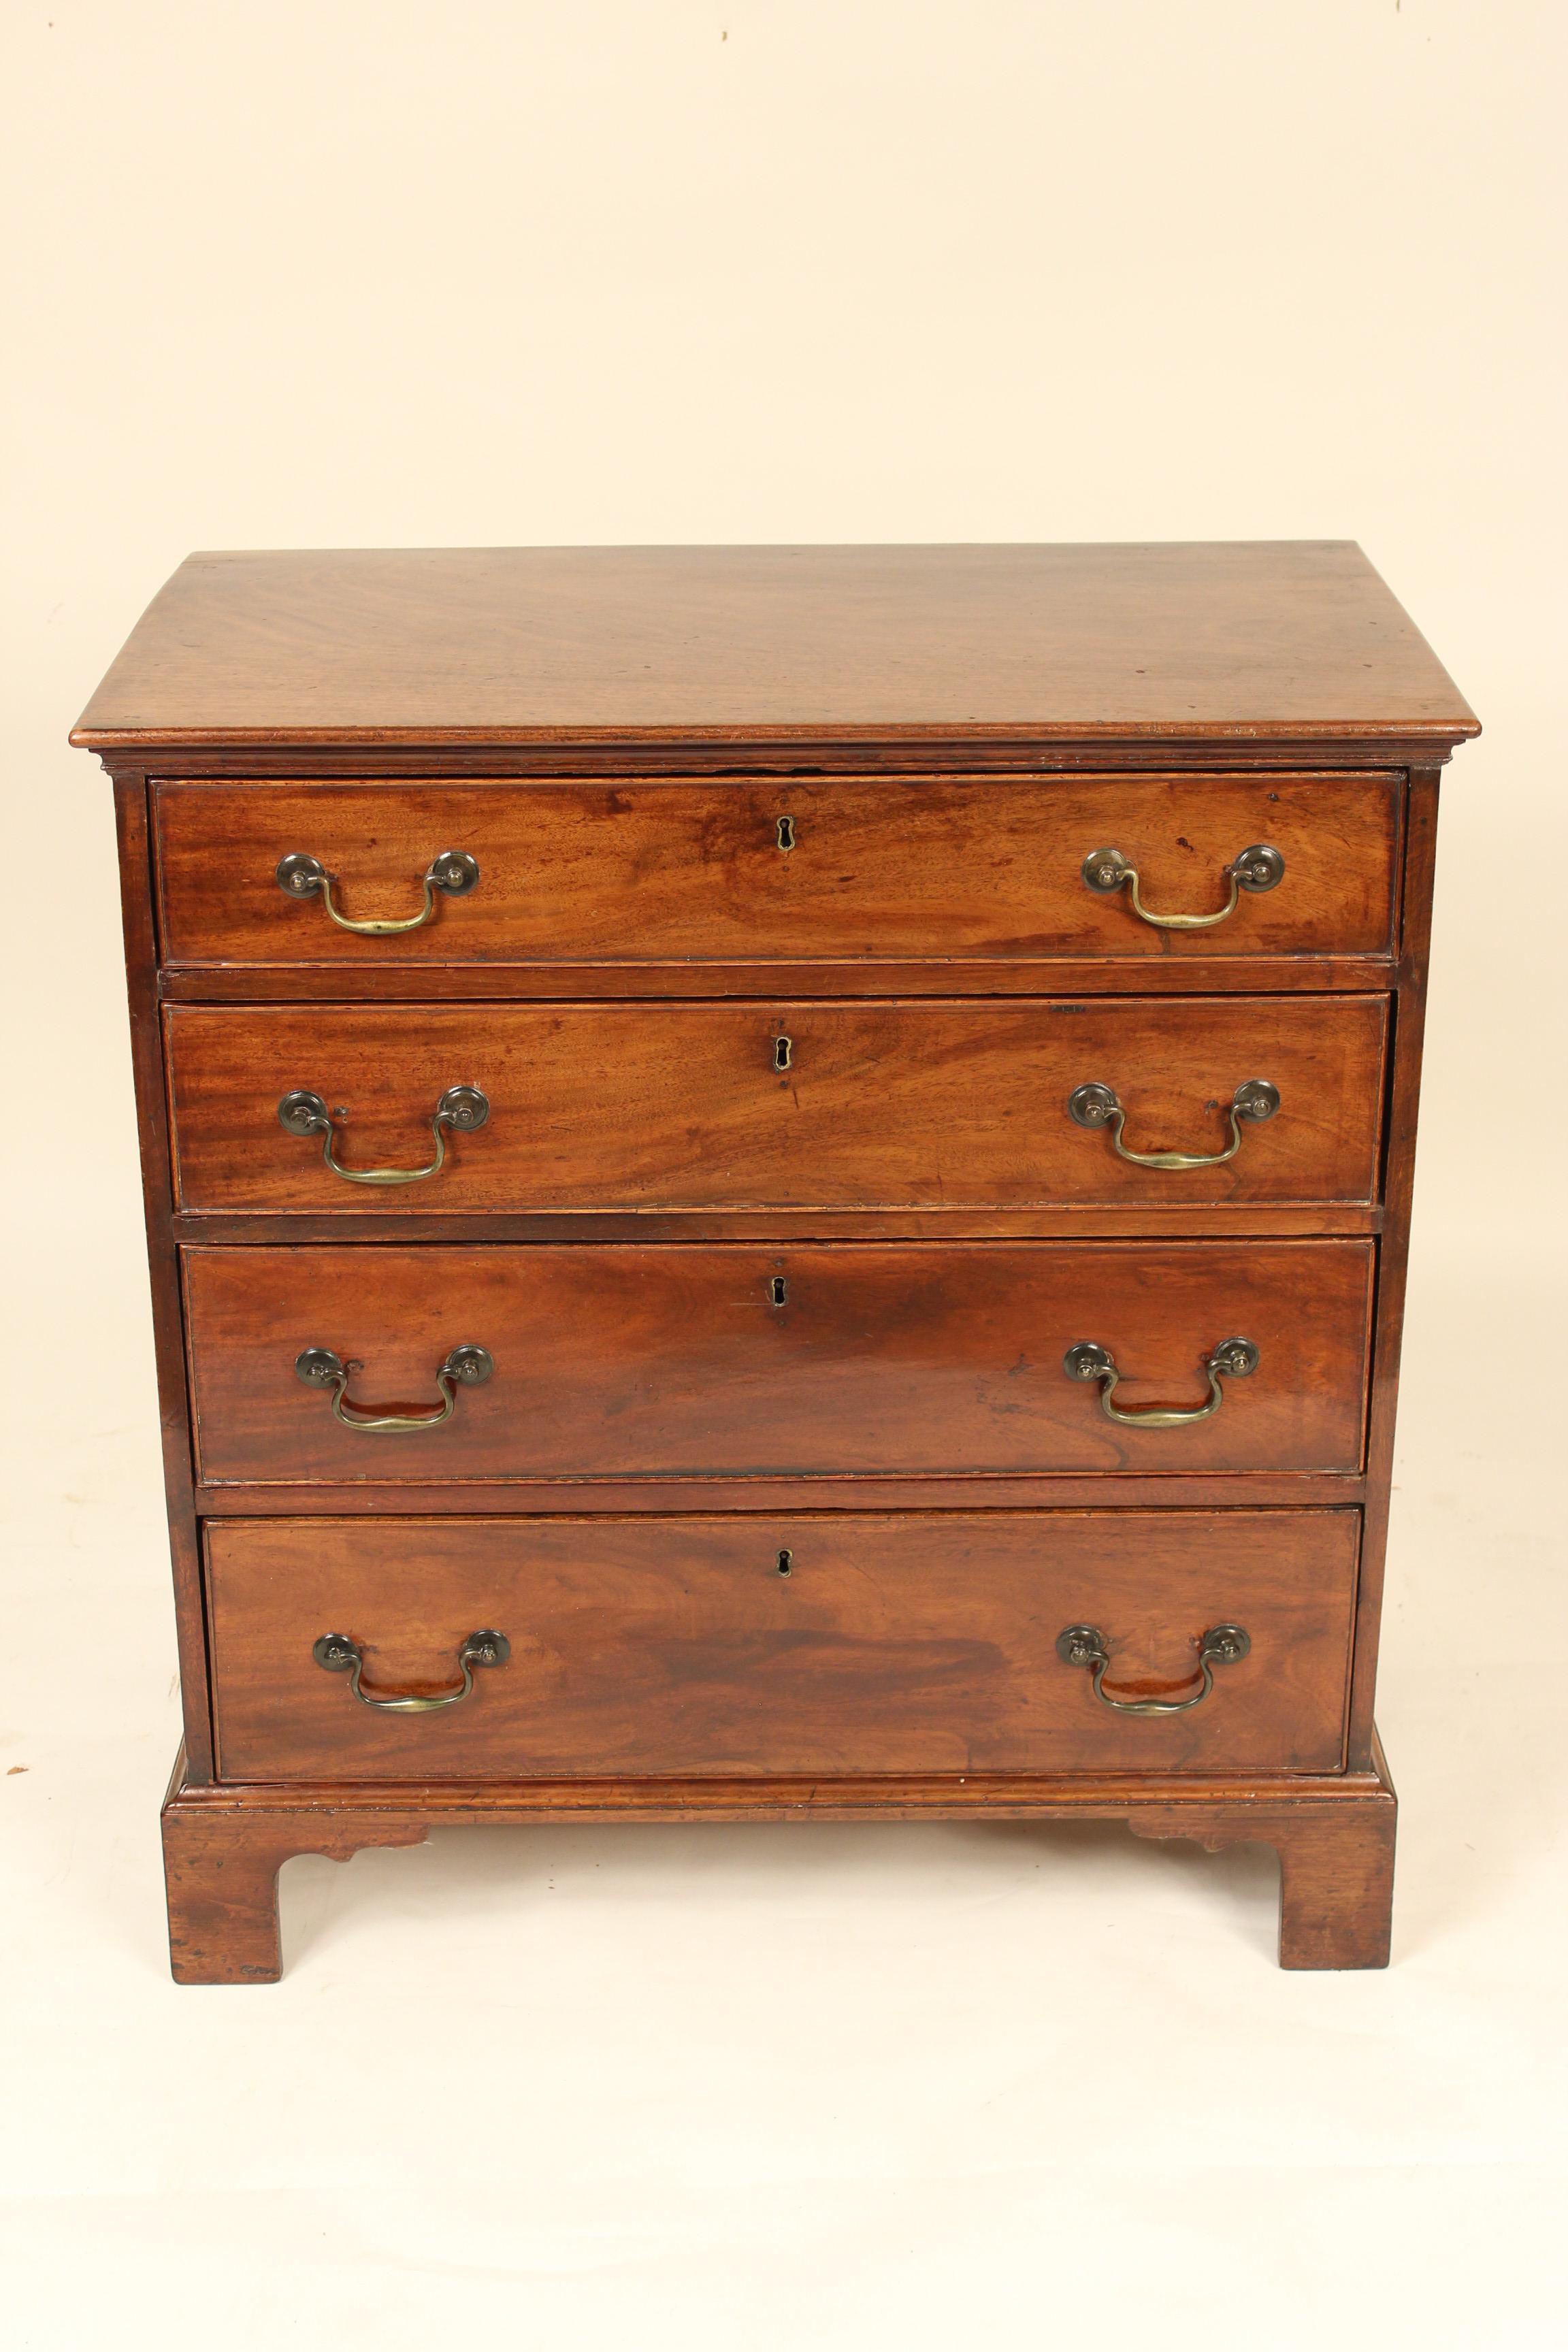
(452, 871)
(1088, 1360)
(1096, 1105)
(466, 1366)
(461, 1109)
(336, 1653)
(1085, 1646)
(1257, 869)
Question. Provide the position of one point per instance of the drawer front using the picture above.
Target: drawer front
(747, 1361)
(787, 871)
(907, 1643)
(817, 1104)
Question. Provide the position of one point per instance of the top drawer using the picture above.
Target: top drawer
(784, 871)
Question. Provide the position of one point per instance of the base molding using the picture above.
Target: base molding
(224, 1846)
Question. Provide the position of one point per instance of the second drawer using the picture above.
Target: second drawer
(750, 1361)
(586, 1109)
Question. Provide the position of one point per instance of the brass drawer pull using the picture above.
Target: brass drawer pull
(466, 1366)
(462, 1107)
(1258, 868)
(1093, 1105)
(301, 875)
(1234, 1358)
(1084, 1645)
(339, 1655)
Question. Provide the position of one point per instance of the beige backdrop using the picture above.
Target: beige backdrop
(368, 272)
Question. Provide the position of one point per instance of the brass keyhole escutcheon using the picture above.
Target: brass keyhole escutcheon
(783, 1048)
(778, 1291)
(786, 1563)
(787, 832)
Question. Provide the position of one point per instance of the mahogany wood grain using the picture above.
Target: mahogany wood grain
(875, 871)
(438, 984)
(938, 1105)
(910, 1643)
(220, 1873)
(1100, 1490)
(926, 752)
(1237, 1221)
(472, 645)
(1404, 1090)
(939, 714)
(874, 1360)
(133, 840)
(1333, 1834)
(1336, 1869)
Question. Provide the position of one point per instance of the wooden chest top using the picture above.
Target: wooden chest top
(1290, 640)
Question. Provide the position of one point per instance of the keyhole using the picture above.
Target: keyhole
(778, 1291)
(787, 832)
(786, 1562)
(783, 1049)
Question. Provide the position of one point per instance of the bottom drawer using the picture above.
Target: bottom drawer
(704, 1643)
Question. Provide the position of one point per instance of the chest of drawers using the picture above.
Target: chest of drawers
(777, 1183)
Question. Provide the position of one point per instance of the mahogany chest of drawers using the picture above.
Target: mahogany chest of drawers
(778, 1183)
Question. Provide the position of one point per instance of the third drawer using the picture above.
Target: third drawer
(755, 1361)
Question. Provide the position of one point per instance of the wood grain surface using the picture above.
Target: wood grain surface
(777, 1361)
(661, 1107)
(780, 971)
(452, 646)
(920, 1642)
(1333, 1833)
(647, 873)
